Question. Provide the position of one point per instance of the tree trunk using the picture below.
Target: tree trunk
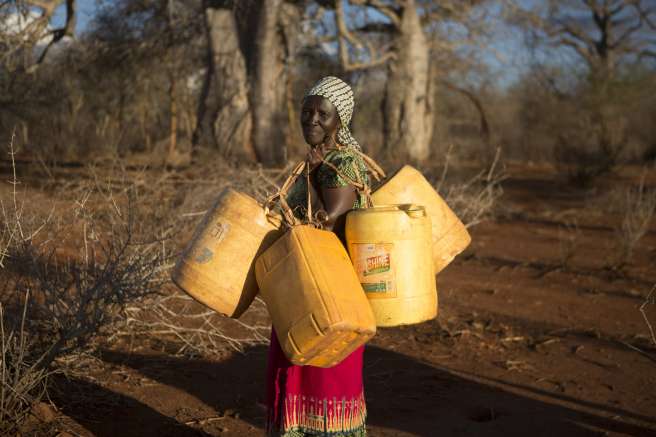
(274, 50)
(268, 96)
(407, 105)
(224, 116)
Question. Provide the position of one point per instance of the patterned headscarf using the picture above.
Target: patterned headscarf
(340, 94)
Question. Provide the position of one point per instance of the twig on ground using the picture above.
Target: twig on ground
(198, 329)
(649, 300)
(640, 351)
(639, 206)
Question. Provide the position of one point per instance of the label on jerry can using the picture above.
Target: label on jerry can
(211, 238)
(374, 266)
(219, 231)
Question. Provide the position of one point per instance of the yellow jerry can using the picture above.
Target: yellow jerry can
(317, 306)
(449, 235)
(217, 266)
(390, 247)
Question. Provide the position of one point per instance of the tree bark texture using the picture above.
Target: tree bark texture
(407, 105)
(224, 115)
(269, 86)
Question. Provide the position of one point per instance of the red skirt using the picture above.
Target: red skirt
(314, 400)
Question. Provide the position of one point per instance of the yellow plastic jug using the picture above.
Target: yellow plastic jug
(390, 247)
(217, 266)
(313, 295)
(408, 185)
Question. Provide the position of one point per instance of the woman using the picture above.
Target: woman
(307, 400)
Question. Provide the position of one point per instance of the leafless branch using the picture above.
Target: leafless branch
(649, 300)
(388, 11)
(345, 37)
(60, 33)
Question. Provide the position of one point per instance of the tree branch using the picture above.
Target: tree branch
(344, 36)
(484, 125)
(376, 27)
(389, 12)
(644, 14)
(626, 35)
(67, 30)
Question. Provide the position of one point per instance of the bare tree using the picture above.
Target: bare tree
(602, 36)
(405, 37)
(30, 26)
(248, 42)
(274, 54)
(224, 116)
(602, 33)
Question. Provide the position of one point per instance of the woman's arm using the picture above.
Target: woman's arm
(337, 202)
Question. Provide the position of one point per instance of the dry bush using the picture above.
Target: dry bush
(585, 128)
(111, 91)
(589, 145)
(22, 381)
(475, 199)
(79, 266)
(649, 300)
(195, 329)
(637, 206)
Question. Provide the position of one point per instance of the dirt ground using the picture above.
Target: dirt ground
(526, 343)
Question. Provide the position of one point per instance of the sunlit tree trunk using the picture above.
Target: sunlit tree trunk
(268, 97)
(224, 116)
(407, 106)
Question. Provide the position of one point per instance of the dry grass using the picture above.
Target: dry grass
(638, 206)
(195, 329)
(475, 199)
(79, 261)
(22, 380)
(649, 300)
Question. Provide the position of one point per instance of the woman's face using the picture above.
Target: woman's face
(319, 120)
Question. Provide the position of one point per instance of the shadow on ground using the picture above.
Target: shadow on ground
(403, 394)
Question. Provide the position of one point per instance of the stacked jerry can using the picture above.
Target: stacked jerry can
(449, 235)
(390, 247)
(217, 266)
(316, 303)
(398, 246)
(325, 302)
(318, 309)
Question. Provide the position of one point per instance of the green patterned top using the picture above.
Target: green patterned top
(327, 177)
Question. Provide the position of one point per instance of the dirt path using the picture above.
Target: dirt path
(525, 344)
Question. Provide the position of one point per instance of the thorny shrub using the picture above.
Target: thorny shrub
(475, 199)
(76, 286)
(638, 205)
(22, 380)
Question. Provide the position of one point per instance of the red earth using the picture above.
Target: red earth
(532, 339)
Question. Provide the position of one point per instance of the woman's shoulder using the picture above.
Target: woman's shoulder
(344, 156)
(340, 165)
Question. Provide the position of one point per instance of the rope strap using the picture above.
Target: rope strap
(304, 167)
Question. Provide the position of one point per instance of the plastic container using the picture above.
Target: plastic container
(217, 266)
(317, 306)
(390, 247)
(408, 185)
